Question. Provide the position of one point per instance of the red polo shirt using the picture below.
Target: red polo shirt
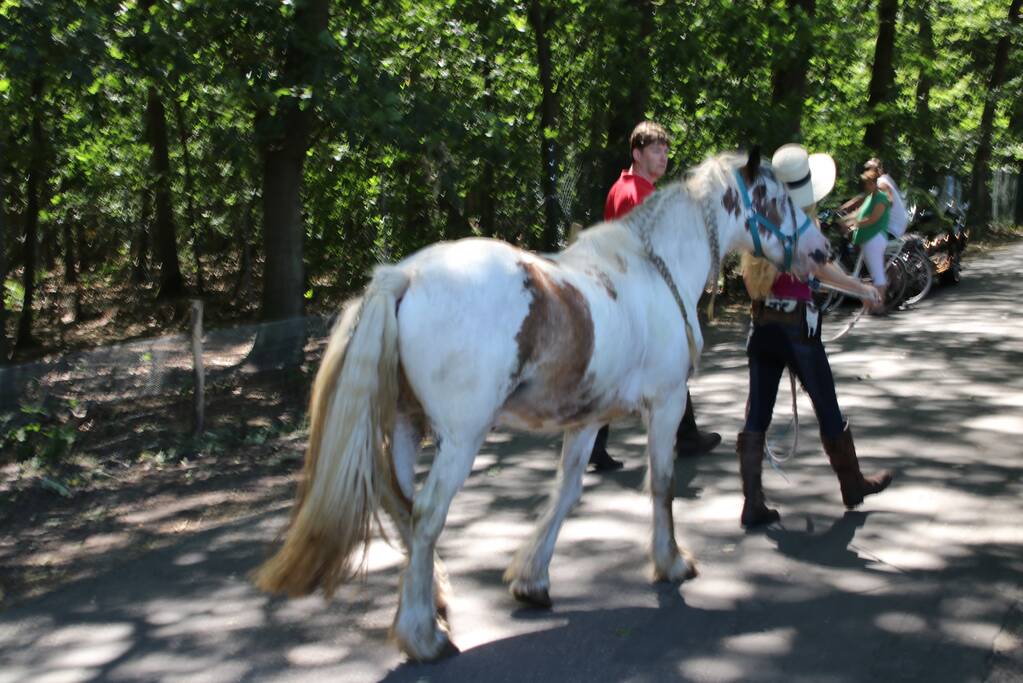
(628, 192)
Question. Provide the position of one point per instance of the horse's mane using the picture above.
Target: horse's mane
(607, 239)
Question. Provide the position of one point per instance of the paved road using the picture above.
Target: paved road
(924, 583)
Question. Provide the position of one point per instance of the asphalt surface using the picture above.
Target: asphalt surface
(924, 582)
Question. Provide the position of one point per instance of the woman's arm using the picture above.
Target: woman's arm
(831, 274)
(853, 203)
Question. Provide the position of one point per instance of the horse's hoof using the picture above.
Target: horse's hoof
(441, 648)
(447, 652)
(682, 569)
(535, 598)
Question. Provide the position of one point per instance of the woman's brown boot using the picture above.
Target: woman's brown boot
(842, 454)
(750, 448)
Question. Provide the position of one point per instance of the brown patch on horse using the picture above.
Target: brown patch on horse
(730, 200)
(555, 344)
(605, 281)
(768, 209)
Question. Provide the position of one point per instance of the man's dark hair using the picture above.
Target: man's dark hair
(647, 132)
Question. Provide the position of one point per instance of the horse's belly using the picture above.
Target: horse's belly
(537, 410)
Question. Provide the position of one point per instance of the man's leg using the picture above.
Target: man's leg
(689, 440)
(599, 457)
(873, 256)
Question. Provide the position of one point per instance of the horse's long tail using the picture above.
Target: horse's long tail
(348, 459)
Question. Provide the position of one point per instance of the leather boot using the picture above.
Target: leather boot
(750, 448)
(689, 440)
(599, 457)
(842, 454)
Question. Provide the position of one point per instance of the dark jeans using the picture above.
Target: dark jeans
(773, 347)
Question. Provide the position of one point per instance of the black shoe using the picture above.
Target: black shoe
(690, 446)
(602, 462)
(599, 458)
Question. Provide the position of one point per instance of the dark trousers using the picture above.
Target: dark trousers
(772, 347)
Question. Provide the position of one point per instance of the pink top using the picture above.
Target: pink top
(787, 286)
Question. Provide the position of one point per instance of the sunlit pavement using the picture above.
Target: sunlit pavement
(922, 583)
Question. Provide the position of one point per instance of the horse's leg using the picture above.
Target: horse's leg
(416, 627)
(528, 573)
(397, 499)
(662, 421)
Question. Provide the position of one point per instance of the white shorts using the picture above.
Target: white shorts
(873, 257)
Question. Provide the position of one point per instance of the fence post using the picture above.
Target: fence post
(197, 366)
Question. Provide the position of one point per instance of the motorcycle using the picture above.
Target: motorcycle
(946, 247)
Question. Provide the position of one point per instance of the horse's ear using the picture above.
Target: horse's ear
(752, 164)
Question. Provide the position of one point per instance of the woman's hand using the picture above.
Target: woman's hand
(870, 295)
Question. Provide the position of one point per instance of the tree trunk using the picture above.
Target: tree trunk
(140, 241)
(283, 231)
(48, 245)
(35, 180)
(980, 197)
(1018, 213)
(284, 144)
(923, 155)
(540, 19)
(244, 281)
(626, 112)
(71, 268)
(283, 160)
(179, 115)
(164, 238)
(485, 188)
(789, 77)
(882, 76)
(81, 248)
(4, 346)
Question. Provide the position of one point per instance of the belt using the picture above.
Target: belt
(791, 312)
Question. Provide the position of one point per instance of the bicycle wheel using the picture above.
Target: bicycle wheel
(919, 276)
(896, 275)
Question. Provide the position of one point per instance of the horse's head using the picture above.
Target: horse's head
(774, 227)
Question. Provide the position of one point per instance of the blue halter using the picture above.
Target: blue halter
(754, 219)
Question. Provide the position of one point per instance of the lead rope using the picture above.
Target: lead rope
(662, 269)
(710, 222)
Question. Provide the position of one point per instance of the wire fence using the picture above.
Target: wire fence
(147, 395)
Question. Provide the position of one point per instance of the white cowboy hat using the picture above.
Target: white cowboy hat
(808, 178)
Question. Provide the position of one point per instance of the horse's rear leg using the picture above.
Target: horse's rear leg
(397, 500)
(662, 422)
(528, 574)
(416, 627)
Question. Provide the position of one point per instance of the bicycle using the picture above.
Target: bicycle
(895, 269)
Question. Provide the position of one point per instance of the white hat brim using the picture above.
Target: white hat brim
(822, 175)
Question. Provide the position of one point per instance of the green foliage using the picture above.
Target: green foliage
(44, 435)
(426, 114)
(14, 295)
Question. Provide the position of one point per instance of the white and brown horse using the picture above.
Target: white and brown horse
(466, 335)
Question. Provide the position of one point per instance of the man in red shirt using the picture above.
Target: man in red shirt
(649, 146)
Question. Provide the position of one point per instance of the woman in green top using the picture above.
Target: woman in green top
(871, 230)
